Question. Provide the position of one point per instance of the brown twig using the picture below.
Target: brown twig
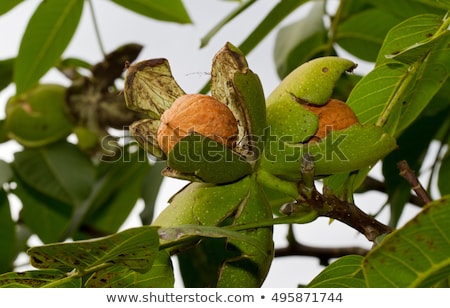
(294, 248)
(348, 213)
(323, 254)
(410, 176)
(329, 205)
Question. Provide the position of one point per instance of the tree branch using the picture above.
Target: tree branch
(329, 205)
(323, 254)
(410, 176)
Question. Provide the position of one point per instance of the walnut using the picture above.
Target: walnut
(198, 113)
(334, 115)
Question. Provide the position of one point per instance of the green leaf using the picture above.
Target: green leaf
(134, 248)
(167, 10)
(60, 171)
(417, 31)
(417, 255)
(3, 131)
(301, 41)
(150, 190)
(243, 5)
(44, 216)
(6, 172)
(47, 35)
(393, 83)
(116, 191)
(362, 34)
(38, 279)
(438, 102)
(444, 175)
(404, 9)
(7, 5)
(371, 95)
(270, 21)
(182, 231)
(430, 79)
(353, 7)
(6, 72)
(8, 232)
(159, 276)
(345, 272)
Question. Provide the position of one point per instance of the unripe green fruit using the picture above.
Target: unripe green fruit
(38, 117)
(312, 82)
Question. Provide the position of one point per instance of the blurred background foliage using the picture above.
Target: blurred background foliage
(78, 174)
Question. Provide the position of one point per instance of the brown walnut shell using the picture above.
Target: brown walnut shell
(334, 115)
(198, 113)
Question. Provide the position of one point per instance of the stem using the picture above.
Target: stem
(398, 94)
(331, 206)
(410, 176)
(334, 26)
(445, 25)
(348, 213)
(96, 28)
(183, 240)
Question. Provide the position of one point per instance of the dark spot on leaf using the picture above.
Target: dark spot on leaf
(104, 248)
(406, 251)
(324, 69)
(36, 261)
(429, 34)
(431, 244)
(391, 248)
